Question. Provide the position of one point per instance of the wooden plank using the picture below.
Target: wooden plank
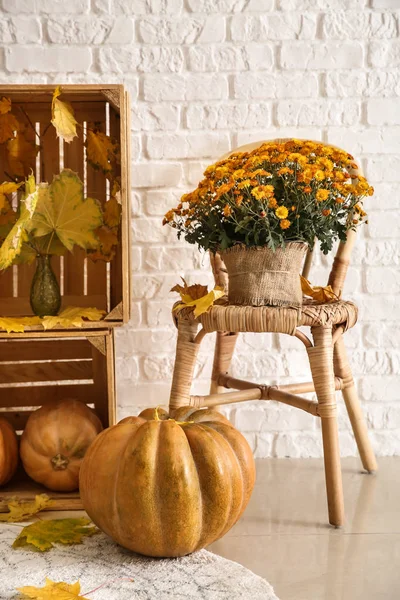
(100, 377)
(51, 371)
(44, 350)
(17, 419)
(26, 489)
(38, 395)
(20, 307)
(97, 188)
(74, 263)
(116, 265)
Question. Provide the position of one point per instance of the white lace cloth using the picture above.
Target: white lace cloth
(202, 575)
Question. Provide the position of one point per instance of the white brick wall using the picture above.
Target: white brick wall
(207, 75)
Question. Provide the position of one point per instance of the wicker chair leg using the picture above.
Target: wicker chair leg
(224, 347)
(321, 362)
(185, 361)
(350, 396)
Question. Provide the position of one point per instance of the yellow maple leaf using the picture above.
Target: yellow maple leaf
(42, 535)
(7, 218)
(62, 209)
(8, 122)
(63, 117)
(8, 187)
(102, 151)
(18, 324)
(197, 296)
(318, 293)
(73, 316)
(20, 510)
(21, 155)
(53, 590)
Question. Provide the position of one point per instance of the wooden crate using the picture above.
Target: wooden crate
(83, 282)
(38, 367)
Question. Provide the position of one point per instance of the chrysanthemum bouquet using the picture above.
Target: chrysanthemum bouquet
(293, 191)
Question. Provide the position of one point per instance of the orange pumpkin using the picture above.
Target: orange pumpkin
(54, 442)
(167, 487)
(8, 451)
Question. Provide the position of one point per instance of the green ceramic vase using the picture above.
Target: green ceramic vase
(45, 291)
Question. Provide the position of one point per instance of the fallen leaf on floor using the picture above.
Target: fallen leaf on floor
(20, 510)
(53, 590)
(42, 536)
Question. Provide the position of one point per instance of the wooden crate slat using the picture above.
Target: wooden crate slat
(97, 187)
(17, 419)
(74, 263)
(43, 394)
(51, 371)
(45, 350)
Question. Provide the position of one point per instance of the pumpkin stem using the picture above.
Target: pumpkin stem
(59, 462)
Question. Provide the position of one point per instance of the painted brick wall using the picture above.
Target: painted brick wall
(206, 76)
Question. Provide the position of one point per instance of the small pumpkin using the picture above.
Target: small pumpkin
(55, 440)
(166, 487)
(8, 451)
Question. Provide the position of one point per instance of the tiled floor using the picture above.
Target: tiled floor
(284, 535)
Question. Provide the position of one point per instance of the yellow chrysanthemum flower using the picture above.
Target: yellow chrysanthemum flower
(282, 212)
(322, 194)
(244, 183)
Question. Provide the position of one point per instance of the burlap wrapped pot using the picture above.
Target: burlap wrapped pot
(258, 276)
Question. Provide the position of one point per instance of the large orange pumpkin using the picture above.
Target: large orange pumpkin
(55, 440)
(167, 487)
(8, 451)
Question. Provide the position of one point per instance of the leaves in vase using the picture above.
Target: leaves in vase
(8, 187)
(53, 590)
(12, 245)
(19, 510)
(63, 117)
(44, 534)
(62, 210)
(21, 155)
(8, 122)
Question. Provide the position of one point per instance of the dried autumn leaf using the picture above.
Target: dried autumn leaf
(18, 324)
(8, 187)
(7, 219)
(21, 155)
(112, 213)
(197, 296)
(8, 122)
(62, 209)
(53, 590)
(42, 535)
(318, 293)
(20, 510)
(102, 151)
(108, 241)
(190, 292)
(73, 316)
(63, 117)
(5, 105)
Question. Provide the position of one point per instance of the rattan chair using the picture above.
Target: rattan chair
(326, 352)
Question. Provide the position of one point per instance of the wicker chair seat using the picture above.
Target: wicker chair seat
(278, 319)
